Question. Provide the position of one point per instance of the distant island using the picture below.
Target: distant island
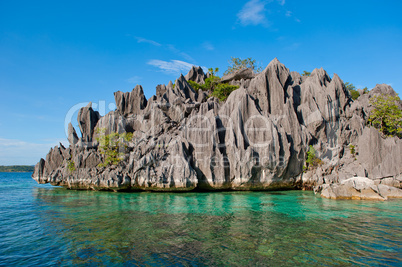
(17, 168)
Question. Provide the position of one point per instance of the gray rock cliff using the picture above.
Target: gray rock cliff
(255, 140)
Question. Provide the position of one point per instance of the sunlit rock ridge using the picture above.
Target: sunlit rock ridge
(256, 140)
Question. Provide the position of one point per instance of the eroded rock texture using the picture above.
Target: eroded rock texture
(256, 140)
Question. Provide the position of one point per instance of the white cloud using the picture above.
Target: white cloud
(168, 47)
(290, 14)
(208, 46)
(143, 40)
(134, 79)
(171, 67)
(252, 13)
(17, 152)
(173, 49)
(281, 2)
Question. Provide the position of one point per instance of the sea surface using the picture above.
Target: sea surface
(41, 225)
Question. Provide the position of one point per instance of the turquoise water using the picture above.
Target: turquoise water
(42, 225)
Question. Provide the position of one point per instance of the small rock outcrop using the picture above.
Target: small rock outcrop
(360, 188)
(257, 139)
(244, 74)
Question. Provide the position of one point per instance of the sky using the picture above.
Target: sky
(56, 56)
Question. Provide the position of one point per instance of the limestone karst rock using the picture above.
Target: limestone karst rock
(196, 74)
(72, 135)
(87, 120)
(256, 140)
(130, 102)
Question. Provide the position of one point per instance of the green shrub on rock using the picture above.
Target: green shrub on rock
(312, 160)
(386, 115)
(213, 84)
(112, 146)
(71, 166)
(195, 85)
(354, 94)
(223, 90)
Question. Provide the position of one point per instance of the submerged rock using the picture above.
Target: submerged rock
(256, 140)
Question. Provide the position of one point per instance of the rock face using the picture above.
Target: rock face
(72, 135)
(196, 74)
(256, 140)
(131, 102)
(87, 120)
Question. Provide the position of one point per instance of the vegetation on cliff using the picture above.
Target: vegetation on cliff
(112, 146)
(312, 160)
(213, 84)
(237, 63)
(386, 115)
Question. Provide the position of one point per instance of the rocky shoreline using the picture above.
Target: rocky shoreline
(183, 139)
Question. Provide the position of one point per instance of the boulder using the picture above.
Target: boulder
(361, 188)
(244, 74)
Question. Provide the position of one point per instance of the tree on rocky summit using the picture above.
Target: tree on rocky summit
(386, 115)
(350, 86)
(239, 64)
(352, 90)
(214, 85)
(306, 73)
(354, 94)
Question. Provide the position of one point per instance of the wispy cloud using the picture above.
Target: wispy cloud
(253, 13)
(208, 46)
(134, 79)
(176, 51)
(143, 40)
(171, 67)
(289, 14)
(168, 47)
(14, 152)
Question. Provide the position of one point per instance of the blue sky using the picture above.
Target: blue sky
(56, 56)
